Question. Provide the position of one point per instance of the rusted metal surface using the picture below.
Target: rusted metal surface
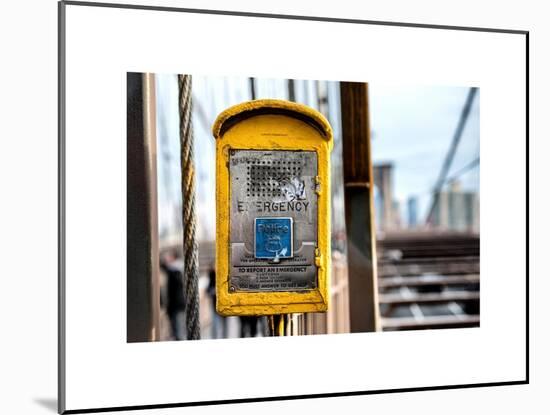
(358, 182)
(143, 298)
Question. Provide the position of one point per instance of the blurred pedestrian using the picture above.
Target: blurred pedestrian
(249, 326)
(218, 321)
(175, 297)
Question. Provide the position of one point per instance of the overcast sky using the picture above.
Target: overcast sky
(413, 126)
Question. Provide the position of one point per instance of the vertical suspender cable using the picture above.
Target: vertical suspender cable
(190, 247)
(441, 180)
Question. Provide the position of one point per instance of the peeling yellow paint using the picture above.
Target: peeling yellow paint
(267, 125)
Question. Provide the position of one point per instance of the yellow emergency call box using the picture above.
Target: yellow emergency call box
(272, 209)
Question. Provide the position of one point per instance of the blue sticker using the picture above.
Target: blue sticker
(273, 238)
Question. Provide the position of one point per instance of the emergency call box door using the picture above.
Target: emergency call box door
(273, 220)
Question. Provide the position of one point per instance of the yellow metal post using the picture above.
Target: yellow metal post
(280, 325)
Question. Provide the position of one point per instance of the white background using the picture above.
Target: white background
(29, 245)
(98, 358)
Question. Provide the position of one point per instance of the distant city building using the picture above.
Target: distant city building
(383, 181)
(396, 214)
(412, 212)
(457, 210)
(378, 208)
